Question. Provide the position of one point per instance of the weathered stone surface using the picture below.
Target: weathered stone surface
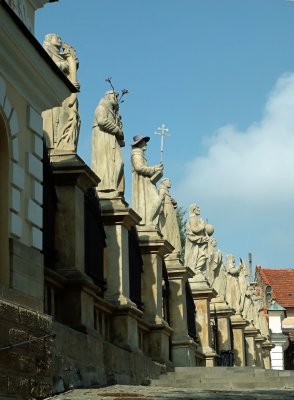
(28, 318)
(17, 336)
(3, 384)
(17, 384)
(40, 389)
(142, 392)
(8, 311)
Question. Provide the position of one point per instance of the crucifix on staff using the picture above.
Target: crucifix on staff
(162, 131)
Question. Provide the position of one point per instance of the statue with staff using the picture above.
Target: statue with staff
(107, 140)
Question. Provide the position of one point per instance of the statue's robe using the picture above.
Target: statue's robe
(107, 160)
(145, 199)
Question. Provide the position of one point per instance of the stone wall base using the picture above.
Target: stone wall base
(85, 360)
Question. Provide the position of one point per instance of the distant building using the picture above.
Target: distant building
(277, 287)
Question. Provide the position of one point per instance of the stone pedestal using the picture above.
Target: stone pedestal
(250, 333)
(73, 178)
(118, 218)
(238, 326)
(183, 346)
(154, 248)
(220, 314)
(202, 294)
(259, 340)
(266, 353)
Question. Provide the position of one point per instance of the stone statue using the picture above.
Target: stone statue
(20, 8)
(216, 273)
(168, 223)
(248, 305)
(233, 287)
(196, 241)
(257, 309)
(107, 140)
(214, 256)
(62, 124)
(145, 198)
(243, 284)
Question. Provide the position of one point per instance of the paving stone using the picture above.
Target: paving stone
(119, 392)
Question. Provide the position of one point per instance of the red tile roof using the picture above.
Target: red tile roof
(282, 283)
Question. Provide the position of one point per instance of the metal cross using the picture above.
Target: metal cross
(162, 131)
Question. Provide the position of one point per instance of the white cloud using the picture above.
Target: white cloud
(245, 182)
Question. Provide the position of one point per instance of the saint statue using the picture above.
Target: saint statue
(247, 312)
(168, 223)
(233, 287)
(196, 241)
(62, 124)
(145, 198)
(257, 309)
(243, 283)
(107, 140)
(216, 273)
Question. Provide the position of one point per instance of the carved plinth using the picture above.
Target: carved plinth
(117, 218)
(154, 248)
(125, 327)
(72, 178)
(202, 294)
(250, 333)
(159, 338)
(220, 314)
(259, 340)
(266, 348)
(183, 346)
(238, 326)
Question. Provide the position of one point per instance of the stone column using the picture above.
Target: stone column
(154, 248)
(250, 333)
(266, 351)
(118, 218)
(183, 346)
(259, 340)
(73, 178)
(238, 326)
(202, 295)
(220, 313)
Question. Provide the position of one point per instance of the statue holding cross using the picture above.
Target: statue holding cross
(162, 131)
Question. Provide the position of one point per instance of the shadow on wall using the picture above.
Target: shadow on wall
(4, 213)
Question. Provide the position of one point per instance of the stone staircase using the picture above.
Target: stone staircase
(226, 378)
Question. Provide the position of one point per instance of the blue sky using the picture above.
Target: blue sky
(220, 75)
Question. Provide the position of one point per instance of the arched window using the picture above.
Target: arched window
(4, 199)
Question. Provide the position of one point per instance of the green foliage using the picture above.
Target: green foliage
(182, 220)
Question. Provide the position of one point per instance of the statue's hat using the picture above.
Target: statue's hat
(138, 138)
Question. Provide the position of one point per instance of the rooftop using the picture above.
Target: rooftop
(281, 282)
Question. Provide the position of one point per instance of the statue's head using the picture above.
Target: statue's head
(194, 209)
(111, 97)
(166, 182)
(53, 39)
(140, 141)
(230, 259)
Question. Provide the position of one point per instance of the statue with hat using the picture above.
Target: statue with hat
(107, 140)
(145, 198)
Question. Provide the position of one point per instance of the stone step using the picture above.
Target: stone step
(221, 378)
